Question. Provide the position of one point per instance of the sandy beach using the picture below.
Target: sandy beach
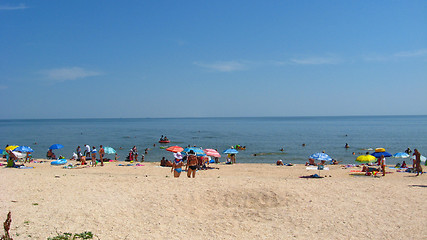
(241, 201)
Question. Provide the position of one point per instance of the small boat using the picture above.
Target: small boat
(164, 141)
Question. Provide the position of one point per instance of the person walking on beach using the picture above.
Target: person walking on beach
(191, 164)
(93, 156)
(177, 165)
(417, 162)
(101, 155)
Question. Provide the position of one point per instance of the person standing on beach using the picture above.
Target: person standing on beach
(101, 155)
(135, 154)
(79, 153)
(93, 156)
(192, 164)
(382, 160)
(417, 162)
(177, 165)
(87, 151)
(233, 158)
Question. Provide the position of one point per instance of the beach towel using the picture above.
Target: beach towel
(316, 168)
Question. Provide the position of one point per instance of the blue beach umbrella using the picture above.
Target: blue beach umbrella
(56, 146)
(378, 154)
(109, 150)
(320, 157)
(197, 151)
(23, 149)
(401, 155)
(231, 151)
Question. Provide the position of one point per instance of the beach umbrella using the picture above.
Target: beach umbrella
(320, 157)
(175, 149)
(10, 148)
(378, 154)
(109, 150)
(366, 158)
(231, 151)
(212, 152)
(401, 155)
(23, 149)
(197, 151)
(56, 146)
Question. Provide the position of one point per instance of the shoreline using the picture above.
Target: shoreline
(239, 201)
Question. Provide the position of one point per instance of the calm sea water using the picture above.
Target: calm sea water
(263, 136)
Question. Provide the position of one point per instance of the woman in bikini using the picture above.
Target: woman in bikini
(177, 165)
(192, 164)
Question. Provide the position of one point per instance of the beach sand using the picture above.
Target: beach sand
(241, 201)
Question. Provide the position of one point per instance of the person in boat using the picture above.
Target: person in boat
(165, 139)
(346, 145)
(161, 138)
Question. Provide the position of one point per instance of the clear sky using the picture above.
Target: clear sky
(97, 59)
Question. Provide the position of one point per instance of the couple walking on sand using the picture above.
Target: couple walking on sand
(191, 166)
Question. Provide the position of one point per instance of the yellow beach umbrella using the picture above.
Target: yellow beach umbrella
(366, 158)
(10, 148)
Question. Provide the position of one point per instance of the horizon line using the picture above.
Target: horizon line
(304, 116)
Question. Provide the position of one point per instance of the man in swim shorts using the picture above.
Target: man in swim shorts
(417, 162)
(101, 155)
(192, 164)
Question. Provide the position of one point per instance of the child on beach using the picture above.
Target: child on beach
(83, 160)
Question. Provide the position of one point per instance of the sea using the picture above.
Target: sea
(267, 139)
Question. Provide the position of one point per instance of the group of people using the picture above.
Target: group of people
(91, 153)
(133, 155)
(193, 163)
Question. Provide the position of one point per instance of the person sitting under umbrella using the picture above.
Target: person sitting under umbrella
(50, 154)
(310, 162)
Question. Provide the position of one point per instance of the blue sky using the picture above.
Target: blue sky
(96, 59)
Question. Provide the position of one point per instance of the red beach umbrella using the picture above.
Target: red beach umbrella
(212, 152)
(175, 149)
